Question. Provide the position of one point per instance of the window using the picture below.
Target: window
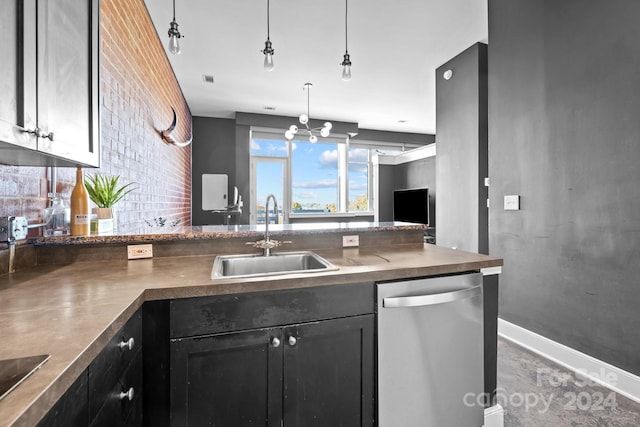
(359, 167)
(330, 176)
(315, 181)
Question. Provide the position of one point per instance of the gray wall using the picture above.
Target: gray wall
(564, 134)
(213, 151)
(388, 180)
(461, 162)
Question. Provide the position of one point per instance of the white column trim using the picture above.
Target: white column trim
(612, 377)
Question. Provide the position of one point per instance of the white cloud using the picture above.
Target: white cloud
(322, 183)
(358, 186)
(329, 159)
(358, 155)
(358, 168)
(254, 145)
(277, 147)
(307, 195)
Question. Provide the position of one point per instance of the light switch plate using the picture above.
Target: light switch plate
(511, 203)
(139, 251)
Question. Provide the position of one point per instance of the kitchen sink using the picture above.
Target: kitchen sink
(254, 265)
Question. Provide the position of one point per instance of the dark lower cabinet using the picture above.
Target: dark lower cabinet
(72, 409)
(109, 392)
(230, 379)
(329, 372)
(312, 374)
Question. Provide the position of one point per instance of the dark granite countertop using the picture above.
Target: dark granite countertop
(209, 232)
(71, 311)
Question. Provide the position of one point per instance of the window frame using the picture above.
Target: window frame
(344, 144)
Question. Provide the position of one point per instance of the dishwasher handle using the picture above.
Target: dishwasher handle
(422, 300)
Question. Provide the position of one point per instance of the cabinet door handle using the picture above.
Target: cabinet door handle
(38, 133)
(292, 340)
(126, 394)
(127, 345)
(35, 131)
(275, 342)
(43, 135)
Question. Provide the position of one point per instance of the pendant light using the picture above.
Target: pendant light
(304, 120)
(174, 34)
(346, 61)
(268, 49)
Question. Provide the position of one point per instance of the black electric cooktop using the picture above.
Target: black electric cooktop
(14, 371)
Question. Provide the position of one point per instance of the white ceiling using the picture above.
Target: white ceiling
(395, 47)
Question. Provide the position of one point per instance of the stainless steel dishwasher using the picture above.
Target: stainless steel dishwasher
(430, 352)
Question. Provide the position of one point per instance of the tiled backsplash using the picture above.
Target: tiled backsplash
(137, 91)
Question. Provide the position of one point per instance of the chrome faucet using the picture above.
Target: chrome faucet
(267, 244)
(266, 222)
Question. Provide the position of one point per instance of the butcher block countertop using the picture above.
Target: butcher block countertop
(72, 310)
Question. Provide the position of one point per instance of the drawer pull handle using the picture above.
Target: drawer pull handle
(292, 340)
(126, 345)
(275, 342)
(126, 394)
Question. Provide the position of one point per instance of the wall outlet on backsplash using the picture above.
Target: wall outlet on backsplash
(350, 241)
(13, 228)
(139, 251)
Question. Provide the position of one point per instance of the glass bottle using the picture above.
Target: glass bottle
(57, 217)
(80, 218)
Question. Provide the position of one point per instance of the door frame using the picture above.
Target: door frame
(286, 185)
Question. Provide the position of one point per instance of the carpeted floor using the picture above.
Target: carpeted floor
(536, 392)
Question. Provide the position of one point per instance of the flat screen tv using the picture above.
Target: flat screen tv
(411, 205)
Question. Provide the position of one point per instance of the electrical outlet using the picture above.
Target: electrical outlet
(139, 251)
(350, 241)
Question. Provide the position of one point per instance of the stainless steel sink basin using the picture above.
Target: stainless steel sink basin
(229, 266)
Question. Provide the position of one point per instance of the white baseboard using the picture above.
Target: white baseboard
(612, 377)
(494, 416)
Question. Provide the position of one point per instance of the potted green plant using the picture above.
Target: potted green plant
(105, 191)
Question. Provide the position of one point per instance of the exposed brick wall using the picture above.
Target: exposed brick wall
(137, 90)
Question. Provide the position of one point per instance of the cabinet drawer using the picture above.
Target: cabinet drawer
(111, 363)
(224, 313)
(116, 409)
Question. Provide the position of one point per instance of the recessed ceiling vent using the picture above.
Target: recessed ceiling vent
(207, 78)
(269, 108)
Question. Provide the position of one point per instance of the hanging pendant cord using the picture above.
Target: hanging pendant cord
(346, 12)
(267, 19)
(174, 10)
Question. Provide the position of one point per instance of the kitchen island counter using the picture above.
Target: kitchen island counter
(72, 311)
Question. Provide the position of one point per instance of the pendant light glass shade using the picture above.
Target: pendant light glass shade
(268, 47)
(346, 60)
(346, 68)
(174, 34)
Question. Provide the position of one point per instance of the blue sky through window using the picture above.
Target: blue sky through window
(314, 173)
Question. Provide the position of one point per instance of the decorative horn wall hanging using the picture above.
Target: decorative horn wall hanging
(166, 134)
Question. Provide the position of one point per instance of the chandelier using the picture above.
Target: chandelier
(304, 120)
